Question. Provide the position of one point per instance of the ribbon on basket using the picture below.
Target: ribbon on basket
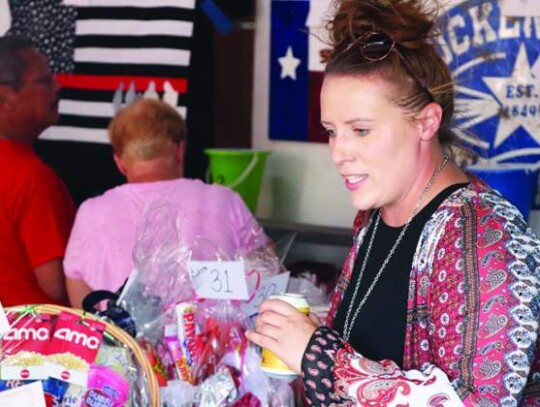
(115, 313)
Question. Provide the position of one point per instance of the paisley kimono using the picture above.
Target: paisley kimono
(472, 317)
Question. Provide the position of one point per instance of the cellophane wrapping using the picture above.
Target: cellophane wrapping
(198, 345)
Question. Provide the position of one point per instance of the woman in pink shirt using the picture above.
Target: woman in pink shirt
(148, 139)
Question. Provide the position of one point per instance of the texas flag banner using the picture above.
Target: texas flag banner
(298, 45)
(107, 53)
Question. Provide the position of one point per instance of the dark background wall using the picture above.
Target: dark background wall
(220, 99)
(233, 76)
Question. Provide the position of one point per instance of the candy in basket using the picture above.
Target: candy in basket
(79, 360)
(165, 242)
(200, 340)
(213, 363)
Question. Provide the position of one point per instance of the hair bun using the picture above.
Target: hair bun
(408, 22)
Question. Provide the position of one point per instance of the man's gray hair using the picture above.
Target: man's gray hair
(12, 64)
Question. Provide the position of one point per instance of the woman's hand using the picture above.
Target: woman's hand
(283, 330)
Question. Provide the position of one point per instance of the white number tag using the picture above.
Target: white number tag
(221, 280)
(270, 286)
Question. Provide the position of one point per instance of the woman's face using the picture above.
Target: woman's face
(373, 144)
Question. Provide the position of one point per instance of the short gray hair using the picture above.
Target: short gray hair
(12, 64)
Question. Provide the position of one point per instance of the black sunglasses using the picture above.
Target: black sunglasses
(375, 46)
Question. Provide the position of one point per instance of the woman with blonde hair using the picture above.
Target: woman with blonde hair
(148, 139)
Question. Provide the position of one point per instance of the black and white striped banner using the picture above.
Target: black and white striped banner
(107, 53)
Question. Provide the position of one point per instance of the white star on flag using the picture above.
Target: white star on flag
(289, 64)
(518, 99)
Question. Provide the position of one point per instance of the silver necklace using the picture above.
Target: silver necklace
(349, 322)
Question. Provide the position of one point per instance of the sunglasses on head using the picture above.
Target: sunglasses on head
(375, 46)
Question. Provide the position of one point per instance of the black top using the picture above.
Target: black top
(379, 329)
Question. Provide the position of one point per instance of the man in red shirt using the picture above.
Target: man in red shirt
(36, 211)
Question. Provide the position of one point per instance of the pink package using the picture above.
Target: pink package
(106, 388)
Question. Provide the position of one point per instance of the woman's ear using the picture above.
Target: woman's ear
(120, 165)
(429, 121)
(180, 152)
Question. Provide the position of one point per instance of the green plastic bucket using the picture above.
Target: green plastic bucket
(239, 169)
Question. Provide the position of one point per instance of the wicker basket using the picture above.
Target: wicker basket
(116, 333)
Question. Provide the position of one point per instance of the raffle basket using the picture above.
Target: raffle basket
(117, 337)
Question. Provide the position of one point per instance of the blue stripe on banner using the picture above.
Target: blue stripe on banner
(289, 97)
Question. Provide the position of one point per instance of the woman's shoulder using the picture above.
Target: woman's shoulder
(470, 194)
(481, 199)
(479, 206)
